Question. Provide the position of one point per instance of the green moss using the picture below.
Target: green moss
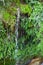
(17, 2)
(14, 10)
(9, 19)
(6, 15)
(25, 9)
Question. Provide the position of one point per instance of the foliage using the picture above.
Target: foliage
(32, 1)
(6, 46)
(33, 32)
(30, 40)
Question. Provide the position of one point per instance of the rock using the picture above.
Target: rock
(41, 64)
(35, 61)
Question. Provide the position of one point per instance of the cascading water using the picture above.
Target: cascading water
(3, 2)
(17, 34)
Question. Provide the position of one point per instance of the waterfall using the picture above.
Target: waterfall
(17, 34)
(3, 2)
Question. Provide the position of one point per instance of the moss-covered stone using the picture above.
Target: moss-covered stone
(25, 9)
(9, 19)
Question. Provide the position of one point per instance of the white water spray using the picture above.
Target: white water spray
(17, 34)
(3, 2)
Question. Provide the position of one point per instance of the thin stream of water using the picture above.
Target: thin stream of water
(3, 2)
(17, 34)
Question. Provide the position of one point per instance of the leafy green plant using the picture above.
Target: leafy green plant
(33, 36)
(6, 47)
(30, 40)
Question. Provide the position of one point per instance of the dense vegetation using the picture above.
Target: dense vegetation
(30, 30)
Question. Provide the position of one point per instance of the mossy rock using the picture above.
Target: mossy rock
(25, 9)
(12, 10)
(9, 19)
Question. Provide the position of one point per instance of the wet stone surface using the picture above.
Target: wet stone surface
(41, 64)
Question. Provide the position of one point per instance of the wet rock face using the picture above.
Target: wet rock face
(41, 64)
